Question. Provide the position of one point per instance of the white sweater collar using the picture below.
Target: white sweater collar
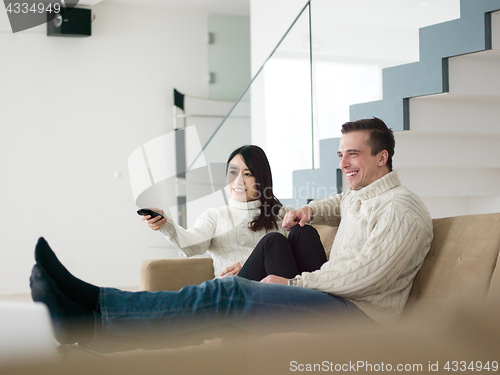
(252, 205)
(387, 182)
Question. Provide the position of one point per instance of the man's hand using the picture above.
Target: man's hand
(155, 223)
(272, 279)
(231, 270)
(301, 216)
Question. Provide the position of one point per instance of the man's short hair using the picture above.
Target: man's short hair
(381, 137)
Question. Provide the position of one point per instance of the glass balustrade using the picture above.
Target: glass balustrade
(331, 58)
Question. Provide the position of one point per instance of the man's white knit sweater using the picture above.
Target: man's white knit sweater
(384, 234)
(223, 232)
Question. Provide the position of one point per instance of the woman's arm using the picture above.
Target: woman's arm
(155, 222)
(231, 270)
(192, 241)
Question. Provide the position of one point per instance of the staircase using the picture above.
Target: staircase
(445, 111)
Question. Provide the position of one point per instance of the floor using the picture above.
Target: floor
(16, 297)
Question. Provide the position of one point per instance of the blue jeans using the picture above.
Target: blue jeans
(216, 308)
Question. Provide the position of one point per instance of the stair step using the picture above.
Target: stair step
(451, 182)
(451, 156)
(446, 149)
(317, 183)
(428, 76)
(475, 73)
(455, 113)
(451, 38)
(495, 30)
(454, 206)
(328, 148)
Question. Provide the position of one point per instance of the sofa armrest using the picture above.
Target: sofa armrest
(173, 274)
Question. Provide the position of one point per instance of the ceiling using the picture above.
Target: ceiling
(424, 12)
(215, 7)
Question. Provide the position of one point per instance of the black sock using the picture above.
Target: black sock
(76, 290)
(72, 323)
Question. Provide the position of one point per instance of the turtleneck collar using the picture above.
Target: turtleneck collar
(383, 184)
(244, 205)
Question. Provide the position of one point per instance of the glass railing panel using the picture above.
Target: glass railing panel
(277, 108)
(285, 116)
(209, 142)
(331, 58)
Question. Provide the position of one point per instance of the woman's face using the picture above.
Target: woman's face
(241, 183)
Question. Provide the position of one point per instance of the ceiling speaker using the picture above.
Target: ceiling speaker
(73, 22)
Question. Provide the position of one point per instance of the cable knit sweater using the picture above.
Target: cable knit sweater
(223, 232)
(384, 234)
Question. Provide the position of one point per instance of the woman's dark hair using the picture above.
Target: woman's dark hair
(256, 160)
(381, 137)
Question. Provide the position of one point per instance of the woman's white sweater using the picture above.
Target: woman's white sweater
(384, 234)
(223, 232)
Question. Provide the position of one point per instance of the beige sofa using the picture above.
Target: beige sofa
(461, 266)
(451, 322)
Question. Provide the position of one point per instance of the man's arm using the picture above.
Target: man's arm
(324, 211)
(327, 211)
(395, 245)
(302, 216)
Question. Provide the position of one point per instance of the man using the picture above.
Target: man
(385, 230)
(384, 235)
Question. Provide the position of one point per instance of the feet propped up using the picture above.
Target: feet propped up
(72, 323)
(72, 314)
(76, 290)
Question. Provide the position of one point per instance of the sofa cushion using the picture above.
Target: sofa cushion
(459, 266)
(327, 235)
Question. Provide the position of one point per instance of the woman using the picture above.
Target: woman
(248, 228)
(231, 233)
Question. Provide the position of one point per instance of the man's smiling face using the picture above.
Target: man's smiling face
(357, 162)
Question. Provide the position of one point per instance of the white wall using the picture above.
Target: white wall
(71, 112)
